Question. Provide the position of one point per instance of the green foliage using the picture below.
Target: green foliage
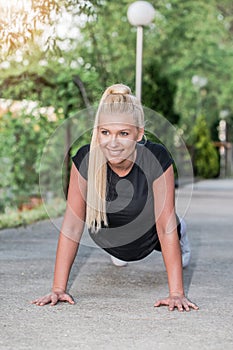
(187, 38)
(23, 137)
(24, 134)
(14, 218)
(205, 159)
(159, 93)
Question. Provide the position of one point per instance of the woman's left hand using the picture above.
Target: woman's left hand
(177, 301)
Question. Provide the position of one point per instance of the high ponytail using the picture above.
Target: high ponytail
(117, 99)
(117, 89)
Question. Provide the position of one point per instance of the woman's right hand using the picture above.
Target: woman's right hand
(53, 298)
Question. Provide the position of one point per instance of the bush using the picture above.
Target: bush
(205, 156)
(15, 218)
(23, 136)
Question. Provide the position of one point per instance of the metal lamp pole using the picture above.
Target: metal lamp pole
(140, 13)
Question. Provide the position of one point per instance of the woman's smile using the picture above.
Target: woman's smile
(114, 152)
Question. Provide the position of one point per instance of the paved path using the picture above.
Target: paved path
(114, 308)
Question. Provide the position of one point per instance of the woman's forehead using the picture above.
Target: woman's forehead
(114, 118)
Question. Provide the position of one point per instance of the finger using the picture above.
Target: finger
(42, 302)
(158, 303)
(36, 301)
(193, 306)
(54, 299)
(186, 306)
(68, 298)
(45, 300)
(161, 302)
(171, 305)
(179, 306)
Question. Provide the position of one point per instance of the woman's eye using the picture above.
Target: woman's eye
(104, 132)
(124, 133)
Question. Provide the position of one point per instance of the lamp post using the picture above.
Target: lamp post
(225, 151)
(140, 13)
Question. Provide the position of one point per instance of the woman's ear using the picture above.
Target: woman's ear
(140, 134)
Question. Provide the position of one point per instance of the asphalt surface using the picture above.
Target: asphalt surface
(114, 306)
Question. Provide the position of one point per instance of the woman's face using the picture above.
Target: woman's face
(117, 136)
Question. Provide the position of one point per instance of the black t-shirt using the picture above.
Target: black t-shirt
(131, 233)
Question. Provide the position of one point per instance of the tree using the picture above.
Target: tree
(193, 38)
(21, 20)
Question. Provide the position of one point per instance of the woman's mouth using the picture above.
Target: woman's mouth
(114, 152)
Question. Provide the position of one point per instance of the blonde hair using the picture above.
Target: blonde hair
(116, 99)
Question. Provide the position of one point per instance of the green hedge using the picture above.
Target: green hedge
(15, 218)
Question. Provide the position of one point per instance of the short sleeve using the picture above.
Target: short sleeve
(81, 160)
(160, 159)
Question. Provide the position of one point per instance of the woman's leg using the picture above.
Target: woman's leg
(184, 244)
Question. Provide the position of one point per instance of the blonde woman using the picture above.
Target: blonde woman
(124, 191)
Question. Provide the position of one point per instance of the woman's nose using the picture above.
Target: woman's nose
(113, 141)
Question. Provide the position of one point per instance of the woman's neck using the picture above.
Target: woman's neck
(123, 168)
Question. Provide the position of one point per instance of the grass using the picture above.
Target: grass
(15, 218)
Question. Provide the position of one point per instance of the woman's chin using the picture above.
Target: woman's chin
(115, 160)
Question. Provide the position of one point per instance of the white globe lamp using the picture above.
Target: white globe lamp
(140, 14)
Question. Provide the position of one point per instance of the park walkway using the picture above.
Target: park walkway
(114, 308)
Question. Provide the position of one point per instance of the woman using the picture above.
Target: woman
(124, 191)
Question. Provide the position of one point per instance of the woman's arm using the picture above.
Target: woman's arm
(70, 235)
(164, 205)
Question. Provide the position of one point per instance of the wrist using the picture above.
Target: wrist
(58, 290)
(176, 294)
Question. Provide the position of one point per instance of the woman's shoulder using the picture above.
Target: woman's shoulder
(82, 151)
(157, 149)
(80, 159)
(155, 158)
